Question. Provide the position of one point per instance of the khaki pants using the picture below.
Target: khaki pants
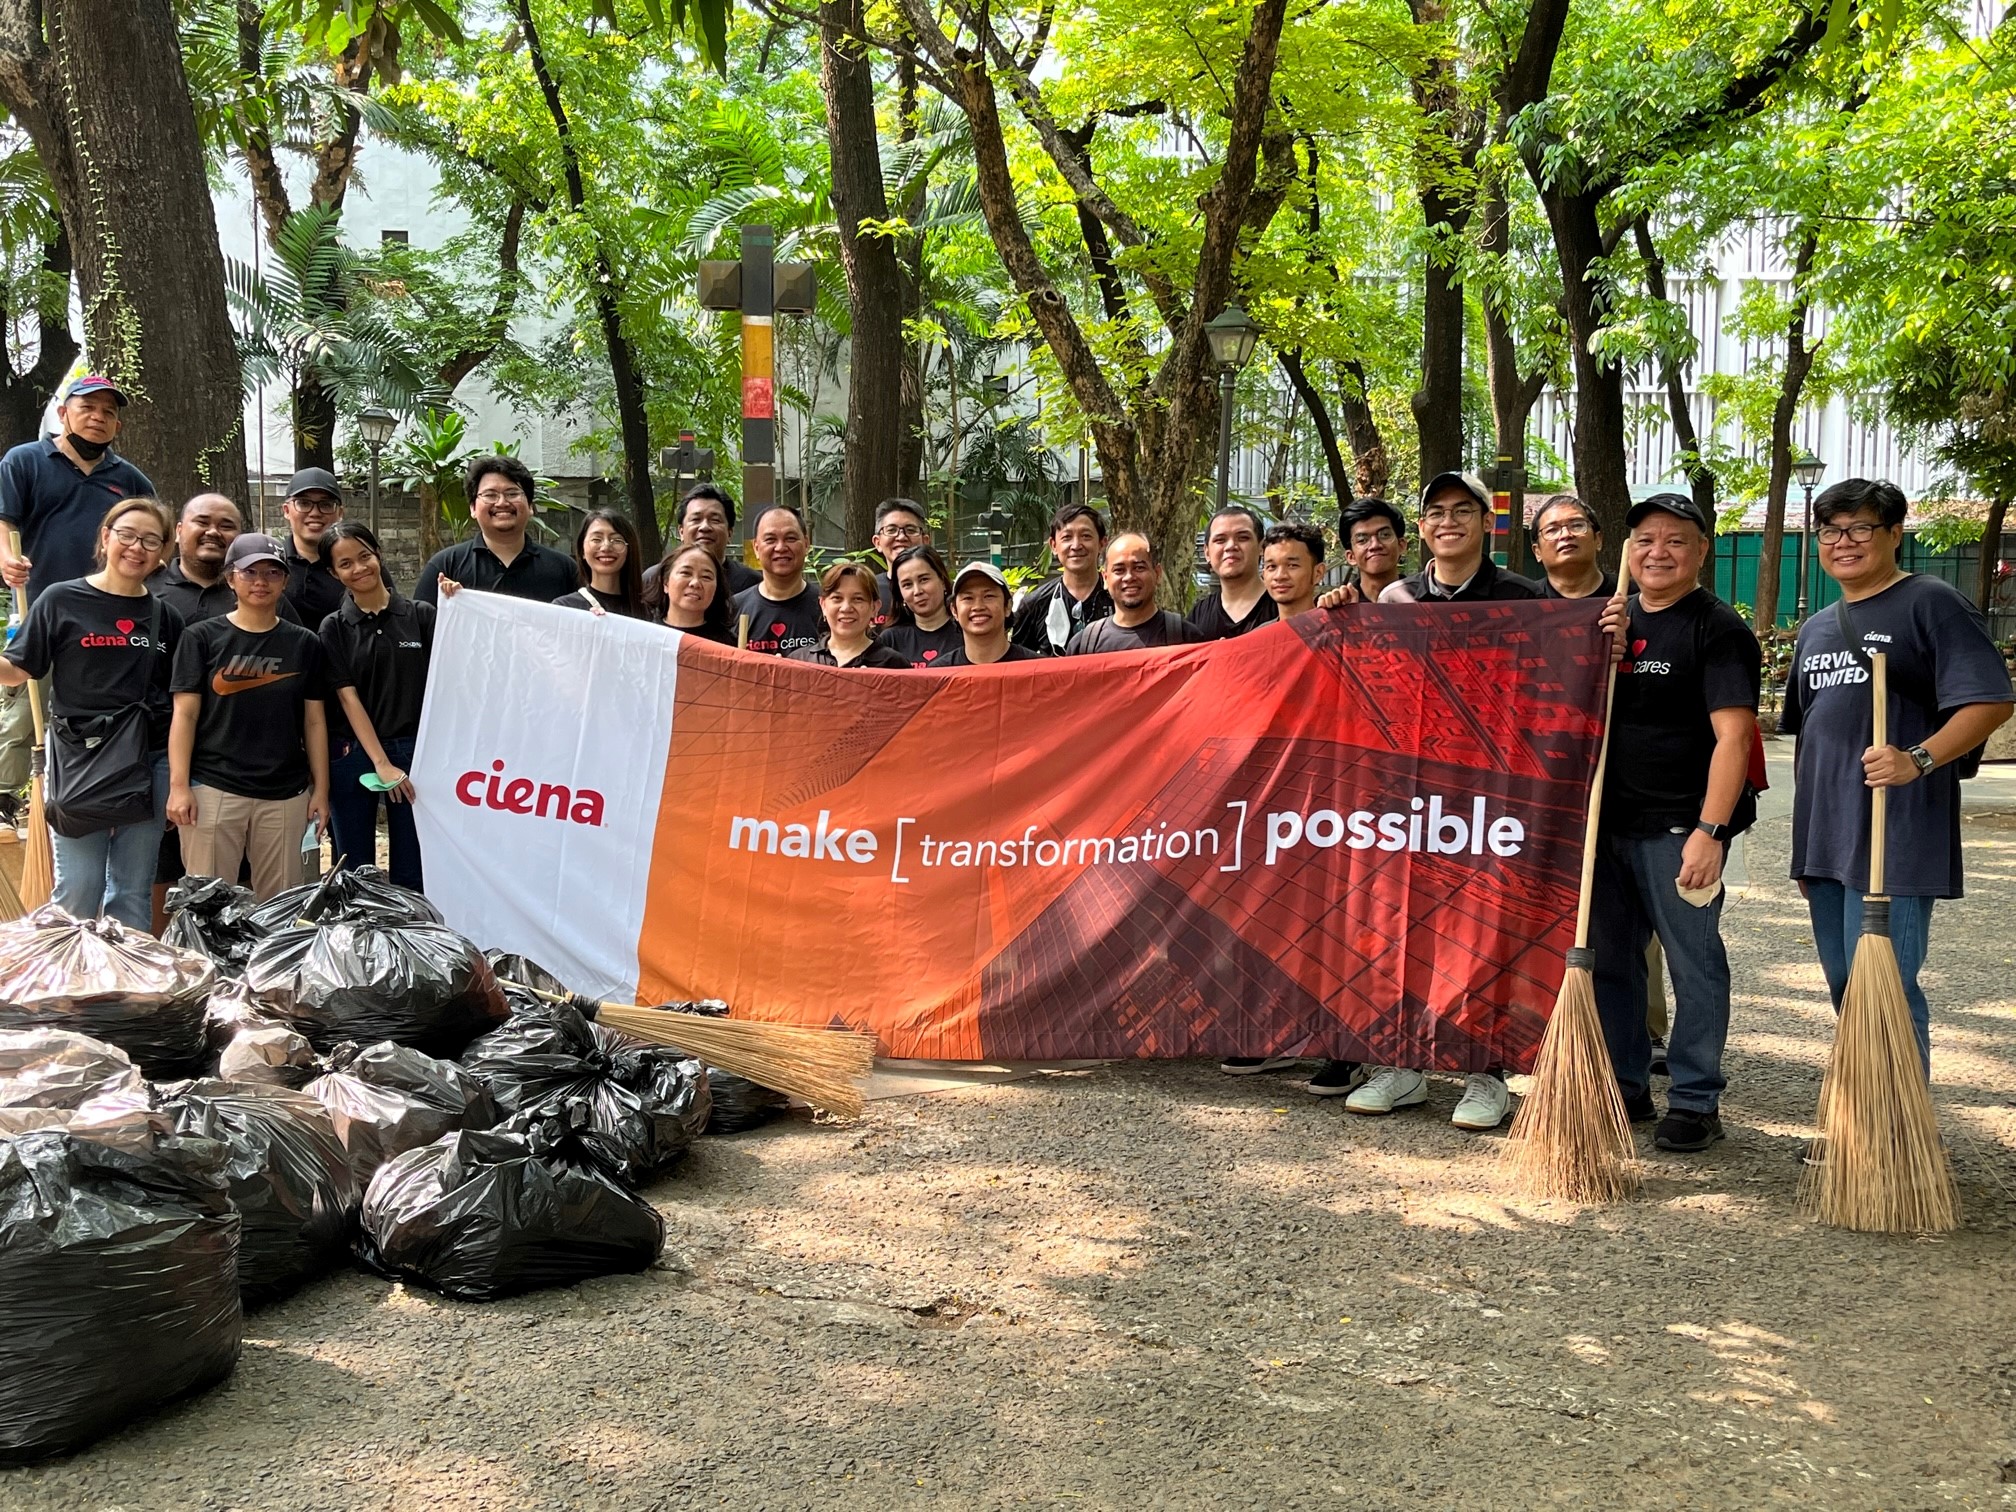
(228, 829)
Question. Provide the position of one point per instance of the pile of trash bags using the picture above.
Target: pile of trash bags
(116, 984)
(118, 1249)
(386, 1099)
(367, 979)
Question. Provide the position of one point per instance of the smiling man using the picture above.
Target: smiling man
(314, 503)
(1133, 574)
(899, 525)
(707, 518)
(782, 612)
(1240, 602)
(980, 606)
(55, 491)
(499, 558)
(1374, 534)
(1056, 610)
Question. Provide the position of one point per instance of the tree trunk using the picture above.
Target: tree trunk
(312, 409)
(104, 100)
(1798, 363)
(1438, 402)
(1991, 553)
(24, 396)
(1319, 416)
(872, 463)
(631, 421)
(1371, 468)
(1513, 392)
(1700, 479)
(910, 411)
(1601, 478)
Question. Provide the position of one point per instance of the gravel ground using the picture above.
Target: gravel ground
(1152, 1285)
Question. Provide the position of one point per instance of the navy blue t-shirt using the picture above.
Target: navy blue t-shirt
(57, 507)
(1940, 658)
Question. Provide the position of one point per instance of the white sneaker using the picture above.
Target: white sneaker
(1389, 1088)
(1485, 1102)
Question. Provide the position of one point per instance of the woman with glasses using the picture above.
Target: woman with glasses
(105, 644)
(1566, 542)
(922, 632)
(607, 555)
(248, 751)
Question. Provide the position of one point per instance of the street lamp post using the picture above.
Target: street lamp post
(1807, 470)
(1232, 335)
(376, 426)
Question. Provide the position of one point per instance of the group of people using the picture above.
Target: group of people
(266, 687)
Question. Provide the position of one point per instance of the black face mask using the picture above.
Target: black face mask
(90, 451)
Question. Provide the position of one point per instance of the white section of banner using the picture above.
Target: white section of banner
(540, 770)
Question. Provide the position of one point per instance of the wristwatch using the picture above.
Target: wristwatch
(1922, 758)
(1712, 831)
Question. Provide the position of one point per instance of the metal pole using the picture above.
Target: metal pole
(759, 372)
(1805, 536)
(1227, 382)
(374, 490)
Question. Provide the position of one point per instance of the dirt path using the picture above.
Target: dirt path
(1151, 1285)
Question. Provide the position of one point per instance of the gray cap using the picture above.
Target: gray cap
(312, 480)
(252, 547)
(1470, 483)
(987, 570)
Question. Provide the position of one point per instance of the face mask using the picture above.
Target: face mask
(90, 451)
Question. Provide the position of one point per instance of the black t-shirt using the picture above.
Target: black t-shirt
(196, 602)
(612, 603)
(1684, 662)
(1166, 628)
(1489, 584)
(249, 737)
(97, 651)
(58, 507)
(1940, 658)
(877, 655)
(924, 648)
(538, 573)
(384, 657)
(1013, 653)
(1030, 624)
(312, 586)
(777, 628)
(1606, 589)
(1209, 616)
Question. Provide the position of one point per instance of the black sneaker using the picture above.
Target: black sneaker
(1337, 1078)
(1659, 1057)
(1687, 1131)
(1253, 1065)
(1641, 1109)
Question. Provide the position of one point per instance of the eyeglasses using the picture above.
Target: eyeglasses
(127, 537)
(316, 506)
(1564, 530)
(1859, 533)
(505, 496)
(1383, 536)
(904, 532)
(1436, 516)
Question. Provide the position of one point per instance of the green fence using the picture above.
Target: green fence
(1736, 561)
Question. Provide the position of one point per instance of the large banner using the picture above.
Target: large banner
(1354, 834)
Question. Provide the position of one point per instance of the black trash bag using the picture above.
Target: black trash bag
(485, 1214)
(118, 1282)
(529, 985)
(213, 918)
(386, 1099)
(98, 977)
(289, 1177)
(347, 896)
(53, 1079)
(416, 984)
(645, 1104)
(248, 1044)
(739, 1103)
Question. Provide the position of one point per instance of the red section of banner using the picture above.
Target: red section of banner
(1355, 834)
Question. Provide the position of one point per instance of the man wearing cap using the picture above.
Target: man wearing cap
(980, 606)
(55, 491)
(1454, 522)
(1681, 729)
(314, 503)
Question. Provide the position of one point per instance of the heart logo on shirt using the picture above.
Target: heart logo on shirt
(1637, 650)
(125, 626)
(778, 628)
(930, 656)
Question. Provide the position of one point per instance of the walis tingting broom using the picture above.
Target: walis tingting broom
(38, 860)
(1572, 1137)
(1880, 1165)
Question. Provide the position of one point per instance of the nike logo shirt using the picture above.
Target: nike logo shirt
(255, 689)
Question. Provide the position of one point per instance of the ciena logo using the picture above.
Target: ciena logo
(521, 795)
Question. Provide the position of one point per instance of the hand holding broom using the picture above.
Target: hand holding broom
(1880, 1166)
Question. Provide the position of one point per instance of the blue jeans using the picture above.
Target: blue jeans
(353, 812)
(1836, 910)
(1635, 898)
(112, 871)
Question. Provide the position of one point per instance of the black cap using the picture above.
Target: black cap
(313, 480)
(1469, 483)
(1672, 504)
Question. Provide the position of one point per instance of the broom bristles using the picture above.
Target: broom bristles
(1881, 1168)
(823, 1066)
(1572, 1137)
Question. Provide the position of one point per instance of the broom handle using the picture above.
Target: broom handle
(1879, 800)
(1595, 816)
(34, 687)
